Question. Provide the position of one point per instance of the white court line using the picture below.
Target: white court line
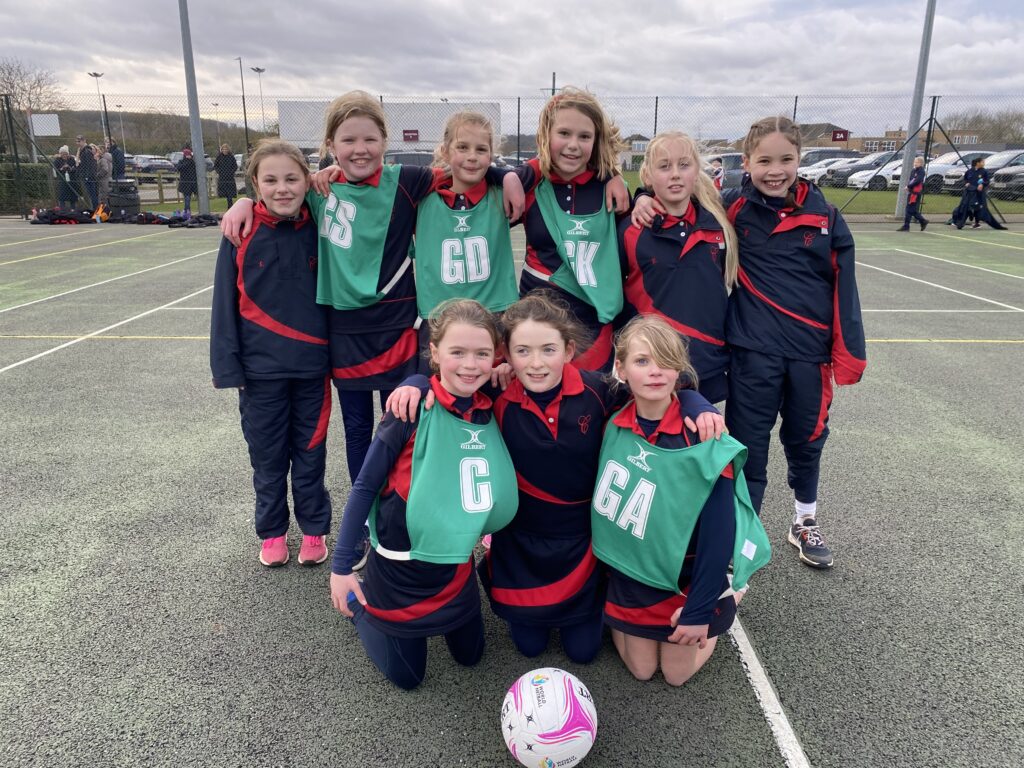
(104, 330)
(764, 691)
(973, 240)
(960, 264)
(104, 282)
(210, 309)
(81, 231)
(943, 287)
(83, 248)
(950, 311)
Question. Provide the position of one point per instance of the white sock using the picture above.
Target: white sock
(804, 511)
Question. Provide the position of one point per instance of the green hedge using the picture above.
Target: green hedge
(36, 187)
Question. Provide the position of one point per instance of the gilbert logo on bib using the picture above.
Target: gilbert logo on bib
(640, 459)
(588, 247)
(474, 443)
(462, 223)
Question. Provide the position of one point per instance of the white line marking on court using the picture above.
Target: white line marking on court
(976, 241)
(104, 330)
(944, 288)
(81, 231)
(764, 691)
(960, 264)
(83, 248)
(209, 309)
(950, 311)
(104, 282)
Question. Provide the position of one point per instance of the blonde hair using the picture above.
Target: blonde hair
(268, 148)
(667, 347)
(465, 311)
(766, 126)
(706, 194)
(451, 130)
(542, 305)
(353, 104)
(604, 160)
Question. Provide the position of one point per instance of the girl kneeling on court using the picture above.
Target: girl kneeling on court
(430, 489)
(669, 512)
(268, 338)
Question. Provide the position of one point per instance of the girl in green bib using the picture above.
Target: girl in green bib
(669, 512)
(429, 489)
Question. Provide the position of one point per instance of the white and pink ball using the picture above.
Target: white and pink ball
(548, 719)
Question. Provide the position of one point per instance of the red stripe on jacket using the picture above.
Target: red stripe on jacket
(551, 594)
(406, 347)
(431, 604)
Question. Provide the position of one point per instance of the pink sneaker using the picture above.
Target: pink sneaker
(313, 550)
(274, 552)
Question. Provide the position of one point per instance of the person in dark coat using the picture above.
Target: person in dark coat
(226, 166)
(65, 170)
(974, 202)
(116, 158)
(187, 179)
(86, 160)
(915, 185)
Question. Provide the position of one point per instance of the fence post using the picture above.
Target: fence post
(519, 129)
(160, 186)
(796, 100)
(18, 181)
(655, 117)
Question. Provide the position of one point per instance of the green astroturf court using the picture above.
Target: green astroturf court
(138, 629)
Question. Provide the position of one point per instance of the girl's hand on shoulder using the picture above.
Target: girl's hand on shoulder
(501, 376)
(687, 634)
(645, 208)
(236, 224)
(404, 403)
(708, 425)
(340, 587)
(616, 195)
(321, 180)
(515, 197)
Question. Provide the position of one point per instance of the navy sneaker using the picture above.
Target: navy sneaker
(806, 537)
(363, 550)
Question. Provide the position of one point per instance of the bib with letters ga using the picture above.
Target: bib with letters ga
(463, 485)
(648, 499)
(588, 247)
(464, 254)
(354, 221)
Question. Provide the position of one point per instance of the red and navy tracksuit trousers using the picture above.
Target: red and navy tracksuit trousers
(285, 425)
(763, 386)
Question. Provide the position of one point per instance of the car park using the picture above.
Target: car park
(409, 157)
(812, 155)
(815, 171)
(941, 165)
(875, 179)
(823, 177)
(1008, 183)
(953, 181)
(175, 158)
(839, 176)
(145, 167)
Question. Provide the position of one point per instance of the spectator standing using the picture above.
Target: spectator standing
(86, 160)
(116, 158)
(65, 169)
(187, 184)
(226, 166)
(104, 171)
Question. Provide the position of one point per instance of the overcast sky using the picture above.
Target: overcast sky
(463, 47)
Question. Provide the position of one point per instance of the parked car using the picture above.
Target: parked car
(937, 168)
(839, 176)
(812, 155)
(1008, 183)
(409, 157)
(875, 179)
(732, 165)
(953, 181)
(313, 160)
(175, 158)
(815, 171)
(145, 167)
(823, 179)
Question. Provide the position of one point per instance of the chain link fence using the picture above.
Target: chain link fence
(152, 127)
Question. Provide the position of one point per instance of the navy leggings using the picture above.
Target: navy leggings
(581, 641)
(358, 417)
(403, 660)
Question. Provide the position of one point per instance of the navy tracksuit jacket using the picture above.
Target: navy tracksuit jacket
(268, 336)
(794, 326)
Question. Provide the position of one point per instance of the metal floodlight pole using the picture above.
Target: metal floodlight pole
(259, 76)
(245, 116)
(915, 108)
(120, 119)
(96, 76)
(198, 155)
